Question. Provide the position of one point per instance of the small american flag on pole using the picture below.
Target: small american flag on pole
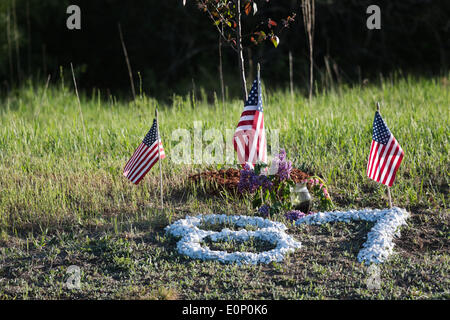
(145, 156)
(385, 153)
(250, 136)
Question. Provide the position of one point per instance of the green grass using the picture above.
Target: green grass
(64, 201)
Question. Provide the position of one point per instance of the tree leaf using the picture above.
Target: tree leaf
(261, 35)
(275, 40)
(247, 8)
(271, 23)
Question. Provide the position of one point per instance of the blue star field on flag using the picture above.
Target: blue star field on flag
(255, 96)
(385, 153)
(152, 135)
(381, 132)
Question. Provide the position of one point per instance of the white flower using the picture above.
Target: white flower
(379, 245)
(271, 231)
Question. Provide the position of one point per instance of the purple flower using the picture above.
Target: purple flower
(284, 166)
(249, 181)
(284, 170)
(282, 155)
(294, 215)
(264, 210)
(265, 183)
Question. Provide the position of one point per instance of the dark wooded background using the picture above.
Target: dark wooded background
(170, 45)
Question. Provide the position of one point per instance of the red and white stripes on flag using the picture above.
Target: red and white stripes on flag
(250, 137)
(145, 156)
(385, 156)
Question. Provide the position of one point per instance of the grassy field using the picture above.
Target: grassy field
(64, 201)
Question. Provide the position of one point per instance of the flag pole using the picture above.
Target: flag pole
(388, 188)
(259, 79)
(159, 155)
(389, 195)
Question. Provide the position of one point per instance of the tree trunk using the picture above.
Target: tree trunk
(29, 38)
(240, 51)
(8, 33)
(291, 75)
(222, 85)
(127, 61)
(308, 9)
(16, 40)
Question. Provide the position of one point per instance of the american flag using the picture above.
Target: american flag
(145, 156)
(250, 137)
(385, 153)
